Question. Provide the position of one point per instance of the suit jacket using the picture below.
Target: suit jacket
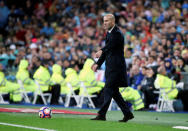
(113, 54)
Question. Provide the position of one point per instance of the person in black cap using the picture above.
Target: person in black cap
(147, 87)
(42, 76)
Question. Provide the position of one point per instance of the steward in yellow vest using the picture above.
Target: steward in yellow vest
(10, 87)
(72, 78)
(23, 75)
(131, 95)
(42, 76)
(57, 77)
(169, 86)
(87, 75)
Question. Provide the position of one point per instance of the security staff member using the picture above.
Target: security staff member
(42, 76)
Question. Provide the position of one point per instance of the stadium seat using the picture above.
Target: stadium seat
(24, 92)
(85, 94)
(69, 96)
(113, 105)
(39, 92)
(2, 101)
(164, 103)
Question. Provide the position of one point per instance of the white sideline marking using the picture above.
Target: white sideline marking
(29, 127)
(181, 127)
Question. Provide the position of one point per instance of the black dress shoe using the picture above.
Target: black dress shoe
(99, 117)
(127, 117)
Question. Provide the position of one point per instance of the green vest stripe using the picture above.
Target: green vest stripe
(3, 82)
(137, 100)
(94, 83)
(77, 84)
(138, 103)
(170, 91)
(25, 80)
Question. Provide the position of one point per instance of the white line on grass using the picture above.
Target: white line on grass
(29, 127)
(181, 127)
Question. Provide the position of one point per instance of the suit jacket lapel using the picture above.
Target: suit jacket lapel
(107, 37)
(109, 34)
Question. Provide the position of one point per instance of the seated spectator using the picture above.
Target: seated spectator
(47, 30)
(135, 77)
(171, 70)
(169, 66)
(34, 65)
(147, 87)
(181, 66)
(152, 61)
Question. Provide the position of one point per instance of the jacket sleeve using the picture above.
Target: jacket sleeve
(113, 42)
(101, 59)
(35, 76)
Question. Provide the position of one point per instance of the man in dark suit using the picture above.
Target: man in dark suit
(115, 73)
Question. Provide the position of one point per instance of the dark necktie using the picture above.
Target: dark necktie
(107, 36)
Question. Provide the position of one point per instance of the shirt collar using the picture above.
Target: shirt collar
(109, 31)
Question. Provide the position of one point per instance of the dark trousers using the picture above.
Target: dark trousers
(55, 91)
(149, 96)
(183, 95)
(55, 94)
(114, 93)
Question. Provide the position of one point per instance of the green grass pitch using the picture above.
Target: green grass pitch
(143, 121)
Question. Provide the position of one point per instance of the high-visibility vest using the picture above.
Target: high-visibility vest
(57, 77)
(73, 79)
(23, 75)
(167, 84)
(10, 87)
(2, 79)
(131, 95)
(87, 75)
(42, 76)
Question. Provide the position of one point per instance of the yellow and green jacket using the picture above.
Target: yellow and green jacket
(42, 76)
(87, 75)
(10, 87)
(23, 75)
(131, 95)
(72, 78)
(167, 84)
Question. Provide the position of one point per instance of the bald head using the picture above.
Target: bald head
(161, 70)
(111, 17)
(109, 21)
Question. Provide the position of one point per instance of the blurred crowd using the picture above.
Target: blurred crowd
(67, 32)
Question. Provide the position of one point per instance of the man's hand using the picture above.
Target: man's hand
(139, 87)
(94, 67)
(98, 54)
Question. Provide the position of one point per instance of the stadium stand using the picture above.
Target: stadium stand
(67, 32)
